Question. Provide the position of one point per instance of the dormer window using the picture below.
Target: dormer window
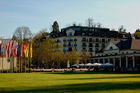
(111, 48)
(69, 33)
(83, 34)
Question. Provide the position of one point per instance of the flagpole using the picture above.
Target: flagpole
(25, 64)
(2, 65)
(13, 64)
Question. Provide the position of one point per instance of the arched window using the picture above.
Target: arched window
(111, 48)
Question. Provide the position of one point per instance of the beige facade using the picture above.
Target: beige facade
(5, 62)
(81, 43)
(8, 63)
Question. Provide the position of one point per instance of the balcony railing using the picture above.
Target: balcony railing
(84, 40)
(90, 45)
(90, 50)
(84, 45)
(70, 45)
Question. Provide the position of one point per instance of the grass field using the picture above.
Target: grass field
(69, 82)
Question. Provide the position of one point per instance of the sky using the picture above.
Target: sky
(40, 14)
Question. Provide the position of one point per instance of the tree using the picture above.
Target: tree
(90, 22)
(121, 29)
(85, 56)
(22, 34)
(55, 28)
(137, 34)
(73, 57)
(47, 52)
(37, 41)
(99, 25)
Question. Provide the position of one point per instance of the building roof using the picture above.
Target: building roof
(127, 44)
(135, 44)
(91, 31)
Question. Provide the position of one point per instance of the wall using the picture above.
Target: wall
(8, 63)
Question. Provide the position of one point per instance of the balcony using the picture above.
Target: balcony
(84, 45)
(70, 45)
(90, 40)
(84, 40)
(84, 50)
(90, 50)
(75, 39)
(75, 45)
(90, 45)
(64, 45)
(96, 45)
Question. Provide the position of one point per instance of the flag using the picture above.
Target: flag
(18, 50)
(8, 49)
(26, 49)
(15, 50)
(2, 43)
(12, 48)
(31, 49)
(21, 49)
(2, 48)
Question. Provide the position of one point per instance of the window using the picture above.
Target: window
(90, 44)
(69, 33)
(90, 49)
(69, 44)
(75, 44)
(64, 50)
(84, 49)
(96, 45)
(85, 29)
(103, 40)
(91, 29)
(70, 49)
(96, 50)
(75, 39)
(90, 34)
(83, 34)
(97, 40)
(103, 45)
(64, 45)
(76, 29)
(109, 40)
(84, 39)
(111, 48)
(64, 39)
(90, 39)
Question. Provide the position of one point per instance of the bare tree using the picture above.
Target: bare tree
(22, 33)
(90, 22)
(121, 29)
(99, 25)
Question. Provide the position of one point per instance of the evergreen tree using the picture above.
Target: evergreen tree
(55, 28)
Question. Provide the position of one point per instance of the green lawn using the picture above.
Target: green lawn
(69, 82)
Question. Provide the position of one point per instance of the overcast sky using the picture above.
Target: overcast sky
(40, 14)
